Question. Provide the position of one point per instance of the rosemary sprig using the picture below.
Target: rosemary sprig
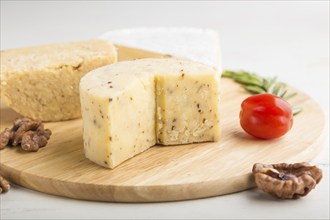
(256, 84)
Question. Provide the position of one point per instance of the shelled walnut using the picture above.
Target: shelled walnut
(4, 185)
(287, 181)
(30, 134)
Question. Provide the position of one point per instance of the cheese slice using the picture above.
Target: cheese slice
(199, 45)
(130, 106)
(187, 106)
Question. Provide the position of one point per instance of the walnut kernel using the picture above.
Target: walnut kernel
(4, 185)
(5, 137)
(287, 181)
(30, 134)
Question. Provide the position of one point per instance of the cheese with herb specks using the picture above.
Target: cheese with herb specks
(187, 106)
(130, 106)
(118, 113)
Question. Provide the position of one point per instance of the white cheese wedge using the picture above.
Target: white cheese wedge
(199, 45)
(118, 111)
(130, 106)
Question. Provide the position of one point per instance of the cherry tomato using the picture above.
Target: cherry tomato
(266, 116)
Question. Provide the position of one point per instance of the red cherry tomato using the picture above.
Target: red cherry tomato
(266, 116)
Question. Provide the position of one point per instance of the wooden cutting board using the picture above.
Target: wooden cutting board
(163, 173)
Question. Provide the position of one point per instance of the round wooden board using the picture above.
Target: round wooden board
(163, 173)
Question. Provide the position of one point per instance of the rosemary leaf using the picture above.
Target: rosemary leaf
(228, 74)
(256, 84)
(279, 89)
(269, 84)
(254, 89)
(296, 110)
(244, 78)
(290, 95)
(247, 80)
(283, 94)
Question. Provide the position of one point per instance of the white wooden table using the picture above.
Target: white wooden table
(287, 39)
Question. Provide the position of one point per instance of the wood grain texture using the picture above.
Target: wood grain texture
(163, 173)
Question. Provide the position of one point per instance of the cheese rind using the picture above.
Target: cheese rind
(129, 106)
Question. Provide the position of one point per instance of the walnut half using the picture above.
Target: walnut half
(287, 181)
(28, 133)
(4, 185)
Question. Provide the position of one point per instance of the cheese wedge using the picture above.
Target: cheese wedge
(130, 106)
(42, 82)
(118, 110)
(199, 45)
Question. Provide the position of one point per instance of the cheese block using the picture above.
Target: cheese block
(130, 106)
(199, 45)
(42, 82)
